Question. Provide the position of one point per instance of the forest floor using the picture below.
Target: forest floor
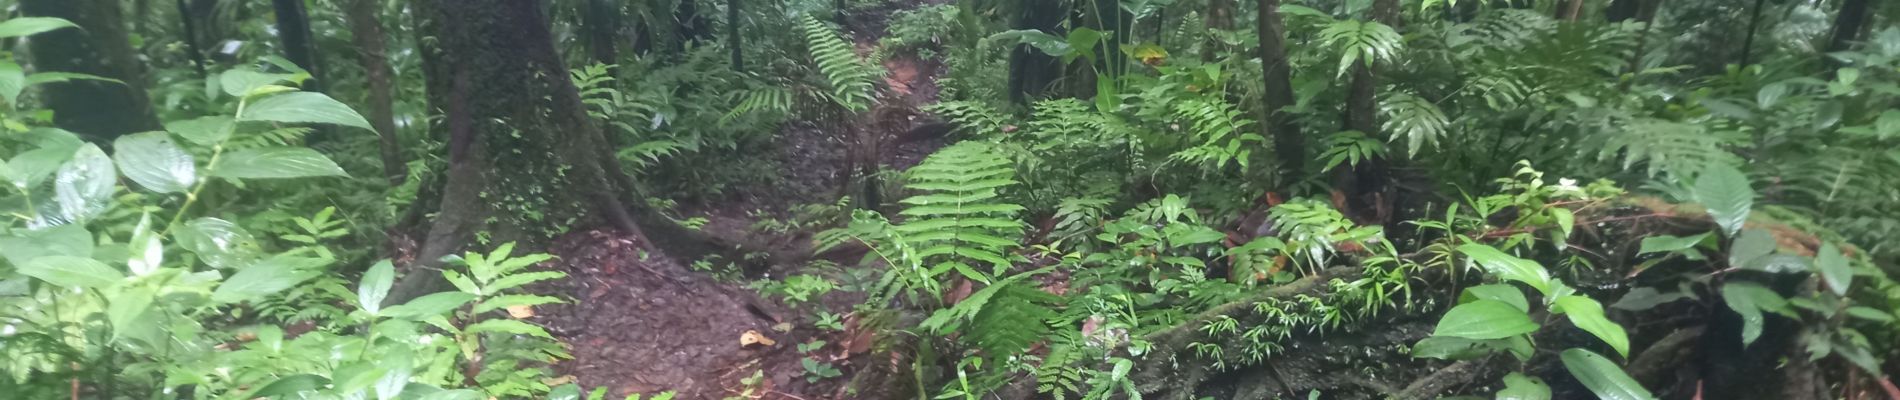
(645, 323)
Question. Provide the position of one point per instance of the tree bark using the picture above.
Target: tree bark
(1570, 12)
(192, 49)
(1645, 14)
(1366, 187)
(293, 30)
(1622, 10)
(602, 23)
(99, 111)
(1748, 40)
(734, 42)
(1220, 17)
(1289, 144)
(367, 32)
(1847, 25)
(525, 163)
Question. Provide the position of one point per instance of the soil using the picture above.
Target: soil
(641, 322)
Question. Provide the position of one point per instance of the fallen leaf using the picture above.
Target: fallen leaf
(521, 312)
(782, 327)
(752, 337)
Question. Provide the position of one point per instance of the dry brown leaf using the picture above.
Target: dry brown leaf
(752, 337)
(521, 312)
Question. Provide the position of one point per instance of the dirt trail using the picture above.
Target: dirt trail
(645, 323)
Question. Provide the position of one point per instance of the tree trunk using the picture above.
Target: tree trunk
(100, 111)
(525, 163)
(367, 31)
(192, 49)
(1366, 188)
(1847, 25)
(1622, 10)
(1220, 17)
(692, 24)
(1289, 144)
(1031, 71)
(1570, 12)
(293, 30)
(602, 23)
(1748, 40)
(1645, 14)
(734, 42)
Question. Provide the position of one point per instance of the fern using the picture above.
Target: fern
(1668, 146)
(1221, 130)
(1003, 319)
(1417, 120)
(960, 219)
(1350, 147)
(851, 79)
(1367, 41)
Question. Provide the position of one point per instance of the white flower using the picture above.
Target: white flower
(1567, 184)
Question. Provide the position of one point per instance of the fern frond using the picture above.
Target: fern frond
(850, 77)
(1417, 120)
(1367, 41)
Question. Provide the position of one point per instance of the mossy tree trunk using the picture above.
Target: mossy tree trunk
(100, 111)
(524, 162)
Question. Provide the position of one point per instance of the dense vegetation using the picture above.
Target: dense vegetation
(968, 199)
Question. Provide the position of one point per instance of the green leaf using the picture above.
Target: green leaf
(1454, 348)
(83, 187)
(1049, 44)
(508, 326)
(1505, 293)
(1603, 377)
(154, 162)
(242, 82)
(1644, 298)
(1520, 387)
(1666, 243)
(1587, 314)
(375, 286)
(63, 240)
(264, 278)
(1870, 314)
(1566, 223)
(457, 394)
(12, 81)
(1727, 194)
(1749, 299)
(72, 271)
(513, 300)
(126, 306)
(430, 305)
(275, 163)
(303, 107)
(1485, 319)
(290, 385)
(204, 131)
(27, 26)
(1508, 267)
(1834, 269)
(220, 243)
(1750, 245)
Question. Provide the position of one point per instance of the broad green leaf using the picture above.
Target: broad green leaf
(1644, 298)
(12, 81)
(1566, 223)
(508, 326)
(1500, 292)
(127, 305)
(72, 271)
(512, 300)
(205, 131)
(1587, 314)
(1749, 299)
(147, 252)
(1666, 243)
(1870, 314)
(457, 394)
(1603, 377)
(1455, 348)
(1750, 245)
(1485, 319)
(291, 385)
(375, 286)
(275, 163)
(303, 107)
(154, 162)
(27, 26)
(7, 175)
(220, 243)
(401, 366)
(1727, 194)
(83, 187)
(33, 166)
(1771, 94)
(429, 305)
(1834, 269)
(1049, 44)
(1508, 267)
(63, 240)
(242, 81)
(263, 278)
(1520, 387)
(58, 77)
(1780, 264)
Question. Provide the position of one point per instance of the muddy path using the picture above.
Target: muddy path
(641, 322)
